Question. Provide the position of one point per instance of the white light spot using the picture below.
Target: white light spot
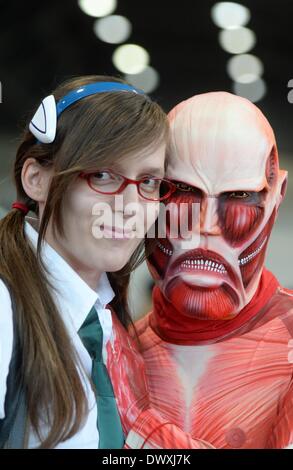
(130, 58)
(230, 14)
(237, 40)
(253, 91)
(245, 68)
(97, 8)
(148, 80)
(113, 29)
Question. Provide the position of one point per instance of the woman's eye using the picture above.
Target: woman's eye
(239, 195)
(151, 183)
(102, 175)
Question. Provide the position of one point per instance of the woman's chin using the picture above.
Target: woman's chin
(111, 260)
(115, 265)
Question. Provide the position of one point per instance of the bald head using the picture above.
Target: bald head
(220, 142)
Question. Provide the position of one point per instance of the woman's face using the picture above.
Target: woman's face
(102, 231)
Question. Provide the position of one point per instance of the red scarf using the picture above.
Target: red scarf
(176, 328)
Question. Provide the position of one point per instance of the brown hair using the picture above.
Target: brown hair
(96, 130)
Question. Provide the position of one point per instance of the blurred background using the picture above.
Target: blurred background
(172, 50)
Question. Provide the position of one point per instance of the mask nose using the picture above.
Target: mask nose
(203, 221)
(183, 225)
(209, 218)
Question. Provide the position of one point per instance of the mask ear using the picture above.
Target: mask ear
(282, 186)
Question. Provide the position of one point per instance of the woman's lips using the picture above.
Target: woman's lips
(117, 232)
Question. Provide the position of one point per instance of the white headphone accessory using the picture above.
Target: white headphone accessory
(44, 122)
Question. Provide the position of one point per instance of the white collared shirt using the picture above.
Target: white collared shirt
(74, 299)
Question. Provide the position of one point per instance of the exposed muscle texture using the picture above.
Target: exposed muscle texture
(239, 221)
(251, 260)
(217, 342)
(231, 386)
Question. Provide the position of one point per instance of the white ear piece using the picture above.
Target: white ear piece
(43, 124)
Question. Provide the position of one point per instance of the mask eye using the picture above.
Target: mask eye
(239, 195)
(185, 187)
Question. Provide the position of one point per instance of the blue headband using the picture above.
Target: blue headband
(44, 123)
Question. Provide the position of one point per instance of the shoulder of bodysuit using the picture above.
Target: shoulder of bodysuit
(142, 324)
(288, 292)
(287, 314)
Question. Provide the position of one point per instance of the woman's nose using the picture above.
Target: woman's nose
(130, 198)
(130, 193)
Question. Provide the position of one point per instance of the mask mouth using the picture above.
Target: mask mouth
(166, 248)
(252, 258)
(159, 258)
(247, 257)
(202, 267)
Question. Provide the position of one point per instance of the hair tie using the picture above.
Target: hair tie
(21, 206)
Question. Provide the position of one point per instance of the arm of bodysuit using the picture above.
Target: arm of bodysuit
(282, 430)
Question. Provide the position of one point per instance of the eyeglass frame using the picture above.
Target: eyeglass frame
(126, 181)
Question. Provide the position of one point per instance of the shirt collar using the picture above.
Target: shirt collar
(75, 297)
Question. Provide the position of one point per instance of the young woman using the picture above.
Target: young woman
(94, 140)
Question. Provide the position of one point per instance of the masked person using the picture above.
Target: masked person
(217, 343)
(66, 358)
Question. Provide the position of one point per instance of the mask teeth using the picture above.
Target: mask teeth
(206, 265)
(165, 250)
(252, 255)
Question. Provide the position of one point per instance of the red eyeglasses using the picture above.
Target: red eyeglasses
(110, 182)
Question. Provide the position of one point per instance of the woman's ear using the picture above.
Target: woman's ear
(36, 180)
(282, 186)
